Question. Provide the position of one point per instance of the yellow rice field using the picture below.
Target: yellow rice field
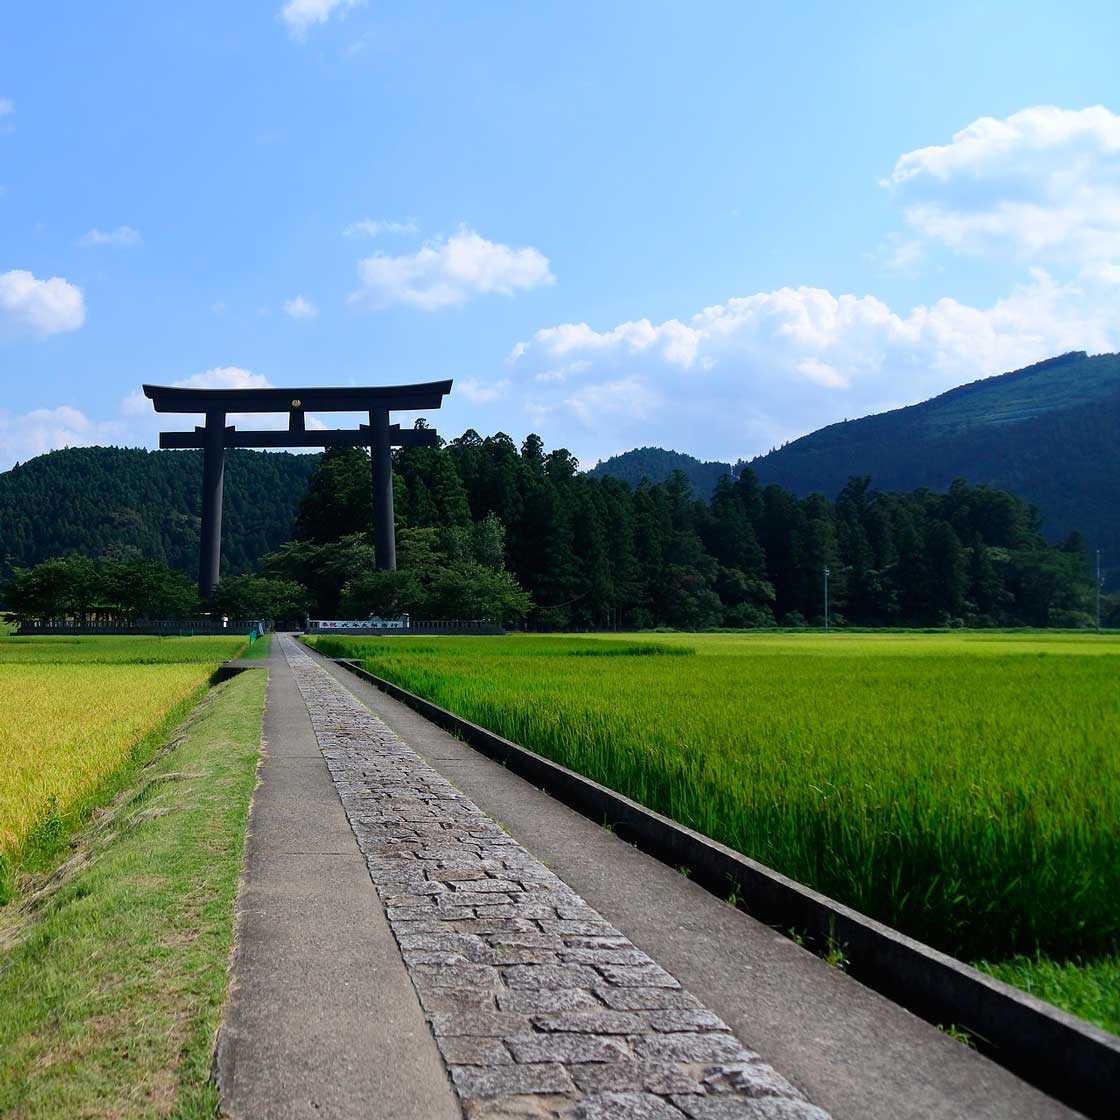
(66, 727)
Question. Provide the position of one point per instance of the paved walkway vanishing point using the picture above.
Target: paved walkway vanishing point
(469, 979)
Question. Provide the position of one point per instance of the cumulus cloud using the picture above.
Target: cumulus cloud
(225, 377)
(218, 377)
(445, 272)
(1043, 183)
(300, 308)
(738, 377)
(368, 227)
(301, 15)
(756, 370)
(479, 392)
(24, 435)
(123, 237)
(39, 307)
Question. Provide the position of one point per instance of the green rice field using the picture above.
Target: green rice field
(961, 787)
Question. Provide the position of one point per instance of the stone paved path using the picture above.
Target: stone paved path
(539, 1006)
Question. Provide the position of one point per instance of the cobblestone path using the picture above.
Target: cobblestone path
(539, 1006)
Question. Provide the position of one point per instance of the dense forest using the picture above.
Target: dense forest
(595, 552)
(486, 528)
(100, 501)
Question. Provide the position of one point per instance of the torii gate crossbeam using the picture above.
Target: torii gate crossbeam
(214, 437)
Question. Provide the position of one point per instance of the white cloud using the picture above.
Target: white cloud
(741, 376)
(225, 377)
(123, 237)
(218, 377)
(300, 308)
(897, 253)
(1043, 183)
(25, 435)
(477, 392)
(41, 307)
(368, 227)
(7, 107)
(302, 15)
(738, 377)
(447, 272)
(628, 398)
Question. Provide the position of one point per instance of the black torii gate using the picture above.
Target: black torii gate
(378, 435)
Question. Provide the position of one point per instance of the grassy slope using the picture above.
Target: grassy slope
(111, 1001)
(800, 751)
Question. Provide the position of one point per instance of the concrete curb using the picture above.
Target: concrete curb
(1072, 1060)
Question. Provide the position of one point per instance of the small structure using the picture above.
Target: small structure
(214, 437)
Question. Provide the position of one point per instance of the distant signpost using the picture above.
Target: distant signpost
(214, 437)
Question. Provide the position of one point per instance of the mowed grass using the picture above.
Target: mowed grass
(111, 999)
(964, 788)
(76, 714)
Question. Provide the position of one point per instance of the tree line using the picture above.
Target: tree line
(487, 528)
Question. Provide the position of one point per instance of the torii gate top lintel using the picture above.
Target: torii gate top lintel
(424, 395)
(378, 435)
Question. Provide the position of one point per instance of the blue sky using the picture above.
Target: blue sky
(712, 227)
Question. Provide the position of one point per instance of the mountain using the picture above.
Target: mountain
(101, 500)
(656, 464)
(1049, 433)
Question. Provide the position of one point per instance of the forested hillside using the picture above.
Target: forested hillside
(655, 464)
(1049, 433)
(103, 501)
(590, 552)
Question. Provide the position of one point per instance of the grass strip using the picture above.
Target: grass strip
(262, 647)
(112, 994)
(1089, 988)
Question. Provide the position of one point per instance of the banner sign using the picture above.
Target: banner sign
(360, 624)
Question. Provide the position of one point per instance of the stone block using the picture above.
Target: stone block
(566, 1048)
(460, 1050)
(685, 1019)
(598, 1021)
(493, 1024)
(550, 976)
(625, 1106)
(638, 976)
(555, 999)
(753, 1079)
(692, 1046)
(500, 1081)
(740, 1108)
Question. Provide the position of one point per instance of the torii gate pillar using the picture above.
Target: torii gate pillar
(213, 482)
(381, 468)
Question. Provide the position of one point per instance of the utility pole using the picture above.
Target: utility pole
(1098, 590)
(827, 573)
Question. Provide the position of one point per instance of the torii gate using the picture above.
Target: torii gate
(378, 435)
